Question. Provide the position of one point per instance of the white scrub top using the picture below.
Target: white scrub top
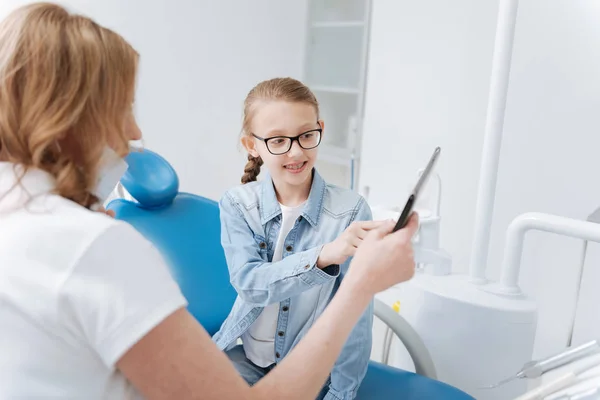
(77, 290)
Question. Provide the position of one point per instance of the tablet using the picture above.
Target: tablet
(414, 195)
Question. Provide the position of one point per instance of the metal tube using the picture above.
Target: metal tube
(515, 236)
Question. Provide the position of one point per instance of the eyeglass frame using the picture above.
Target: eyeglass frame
(292, 139)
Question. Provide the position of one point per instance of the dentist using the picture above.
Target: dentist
(88, 308)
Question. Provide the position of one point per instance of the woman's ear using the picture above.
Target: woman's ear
(250, 145)
(322, 125)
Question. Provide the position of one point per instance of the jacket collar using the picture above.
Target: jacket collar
(269, 205)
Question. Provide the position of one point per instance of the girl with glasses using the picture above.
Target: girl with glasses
(288, 240)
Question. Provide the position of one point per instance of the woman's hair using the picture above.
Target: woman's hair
(66, 89)
(277, 89)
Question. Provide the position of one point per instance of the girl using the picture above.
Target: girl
(288, 240)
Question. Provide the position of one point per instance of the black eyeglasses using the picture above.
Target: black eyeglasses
(278, 145)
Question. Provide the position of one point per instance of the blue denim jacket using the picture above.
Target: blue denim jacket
(250, 223)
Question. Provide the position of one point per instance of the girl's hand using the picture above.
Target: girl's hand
(338, 251)
(384, 259)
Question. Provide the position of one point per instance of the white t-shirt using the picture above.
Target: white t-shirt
(77, 290)
(259, 340)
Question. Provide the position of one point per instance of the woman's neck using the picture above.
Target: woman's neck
(292, 195)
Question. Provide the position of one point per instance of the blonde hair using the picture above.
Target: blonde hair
(66, 89)
(277, 89)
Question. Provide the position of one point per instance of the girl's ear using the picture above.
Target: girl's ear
(322, 125)
(250, 145)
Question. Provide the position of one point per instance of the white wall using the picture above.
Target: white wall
(198, 61)
(428, 84)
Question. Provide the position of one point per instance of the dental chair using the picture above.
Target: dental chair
(185, 228)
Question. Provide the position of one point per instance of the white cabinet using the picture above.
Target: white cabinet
(335, 69)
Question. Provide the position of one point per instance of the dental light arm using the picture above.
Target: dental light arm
(409, 337)
(505, 32)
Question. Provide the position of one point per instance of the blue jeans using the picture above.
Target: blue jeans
(251, 372)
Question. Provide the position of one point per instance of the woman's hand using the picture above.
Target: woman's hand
(384, 259)
(338, 251)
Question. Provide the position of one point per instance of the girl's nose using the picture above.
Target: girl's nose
(296, 150)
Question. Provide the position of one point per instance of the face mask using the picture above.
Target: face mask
(112, 169)
(137, 145)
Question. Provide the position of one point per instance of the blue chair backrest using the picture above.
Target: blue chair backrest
(185, 228)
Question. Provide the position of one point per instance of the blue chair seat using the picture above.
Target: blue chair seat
(387, 383)
(188, 234)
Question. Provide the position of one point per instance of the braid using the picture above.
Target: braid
(252, 169)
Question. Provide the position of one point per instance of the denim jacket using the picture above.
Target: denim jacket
(250, 223)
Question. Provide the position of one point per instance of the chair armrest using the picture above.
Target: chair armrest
(409, 337)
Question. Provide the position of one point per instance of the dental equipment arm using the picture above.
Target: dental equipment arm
(535, 369)
(409, 338)
(587, 394)
(494, 125)
(563, 381)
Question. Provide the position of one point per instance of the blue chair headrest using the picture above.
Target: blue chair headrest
(150, 179)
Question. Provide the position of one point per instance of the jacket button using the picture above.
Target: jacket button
(285, 308)
(262, 245)
(289, 248)
(307, 266)
(281, 333)
(277, 355)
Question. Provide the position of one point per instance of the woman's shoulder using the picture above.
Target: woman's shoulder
(59, 233)
(83, 227)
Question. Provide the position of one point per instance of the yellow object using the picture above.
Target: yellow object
(396, 306)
